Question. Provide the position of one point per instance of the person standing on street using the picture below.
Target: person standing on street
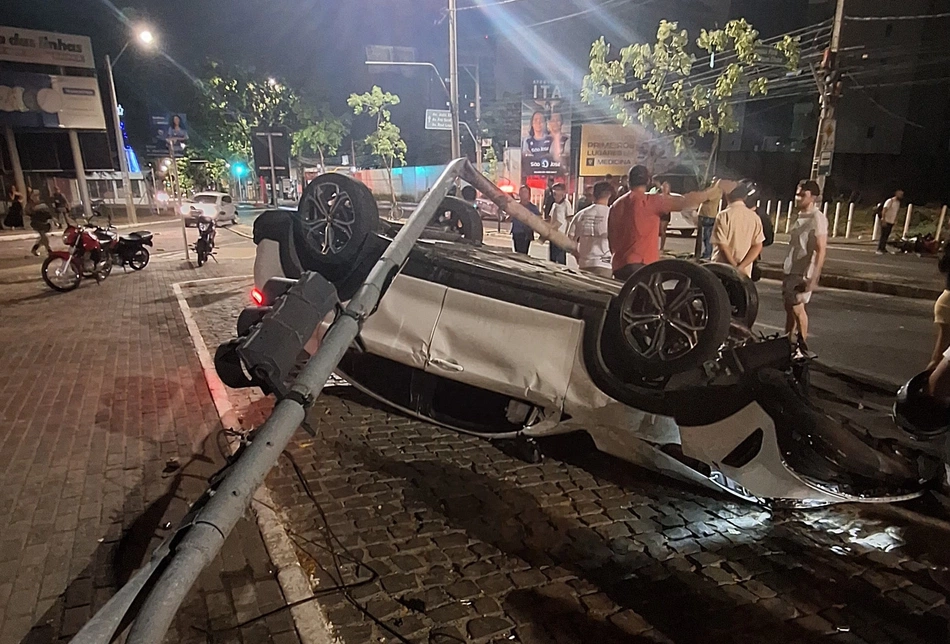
(589, 230)
(737, 237)
(548, 200)
(707, 219)
(807, 247)
(40, 216)
(521, 235)
(60, 207)
(560, 215)
(889, 212)
(633, 225)
(14, 216)
(942, 311)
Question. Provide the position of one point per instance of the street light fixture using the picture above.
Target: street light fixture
(147, 39)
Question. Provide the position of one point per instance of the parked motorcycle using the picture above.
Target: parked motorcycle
(130, 250)
(204, 247)
(84, 256)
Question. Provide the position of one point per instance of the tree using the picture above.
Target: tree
(386, 141)
(231, 102)
(321, 131)
(655, 84)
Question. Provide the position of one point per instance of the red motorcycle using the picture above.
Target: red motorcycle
(86, 255)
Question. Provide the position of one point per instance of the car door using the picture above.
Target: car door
(228, 208)
(401, 328)
(510, 349)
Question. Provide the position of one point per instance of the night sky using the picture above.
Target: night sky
(318, 46)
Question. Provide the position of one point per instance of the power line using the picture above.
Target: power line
(895, 18)
(487, 5)
(874, 102)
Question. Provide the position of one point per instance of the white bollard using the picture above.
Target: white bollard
(788, 216)
(876, 232)
(778, 215)
(847, 229)
(834, 228)
(910, 213)
(768, 208)
(943, 213)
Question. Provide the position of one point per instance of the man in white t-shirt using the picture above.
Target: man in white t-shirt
(806, 257)
(589, 230)
(737, 236)
(560, 215)
(889, 212)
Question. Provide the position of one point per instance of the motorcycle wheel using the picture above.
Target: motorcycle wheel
(201, 248)
(66, 281)
(105, 271)
(139, 259)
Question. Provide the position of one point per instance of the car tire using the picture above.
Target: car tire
(457, 216)
(673, 316)
(335, 216)
(743, 295)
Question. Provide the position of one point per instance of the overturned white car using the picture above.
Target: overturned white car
(662, 370)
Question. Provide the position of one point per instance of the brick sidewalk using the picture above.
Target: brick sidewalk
(107, 431)
(468, 544)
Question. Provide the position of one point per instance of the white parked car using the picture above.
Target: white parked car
(210, 204)
(683, 222)
(662, 370)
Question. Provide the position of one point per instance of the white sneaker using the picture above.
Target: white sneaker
(879, 252)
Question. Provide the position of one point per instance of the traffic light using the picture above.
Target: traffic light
(273, 332)
(239, 169)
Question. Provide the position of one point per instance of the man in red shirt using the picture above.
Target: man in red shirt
(633, 225)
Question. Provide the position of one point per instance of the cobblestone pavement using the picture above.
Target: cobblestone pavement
(107, 431)
(444, 538)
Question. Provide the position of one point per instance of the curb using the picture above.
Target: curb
(863, 285)
(309, 620)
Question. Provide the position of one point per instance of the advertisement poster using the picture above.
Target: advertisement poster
(545, 130)
(45, 48)
(169, 129)
(41, 100)
(614, 149)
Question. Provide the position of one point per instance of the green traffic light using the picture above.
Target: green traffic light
(239, 169)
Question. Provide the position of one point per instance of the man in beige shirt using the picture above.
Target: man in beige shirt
(737, 236)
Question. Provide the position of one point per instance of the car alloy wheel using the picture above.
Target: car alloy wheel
(330, 216)
(666, 316)
(673, 316)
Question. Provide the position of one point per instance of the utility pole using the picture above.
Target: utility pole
(829, 87)
(454, 80)
(120, 146)
(477, 77)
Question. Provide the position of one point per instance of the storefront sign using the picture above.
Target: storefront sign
(41, 100)
(45, 48)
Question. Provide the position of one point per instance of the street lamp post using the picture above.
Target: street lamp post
(146, 38)
(120, 146)
(454, 79)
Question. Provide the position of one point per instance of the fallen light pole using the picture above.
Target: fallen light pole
(176, 564)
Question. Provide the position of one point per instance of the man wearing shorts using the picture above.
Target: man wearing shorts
(806, 256)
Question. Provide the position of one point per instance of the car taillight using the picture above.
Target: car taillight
(257, 296)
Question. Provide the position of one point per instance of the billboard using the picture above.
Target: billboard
(614, 149)
(168, 128)
(42, 100)
(545, 129)
(45, 48)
